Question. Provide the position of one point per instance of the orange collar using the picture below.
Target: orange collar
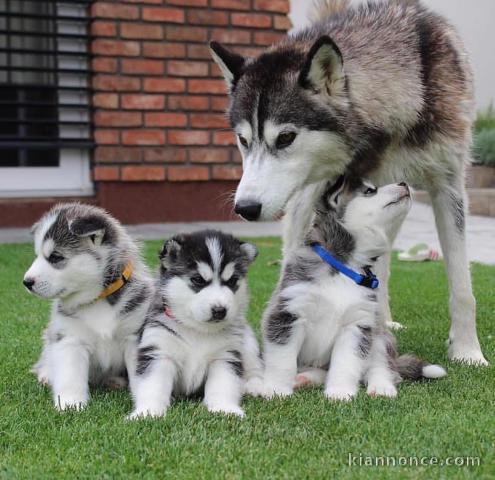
(118, 284)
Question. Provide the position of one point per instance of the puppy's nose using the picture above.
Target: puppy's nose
(248, 210)
(218, 313)
(28, 283)
(404, 184)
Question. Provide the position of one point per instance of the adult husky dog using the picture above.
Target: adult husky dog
(382, 91)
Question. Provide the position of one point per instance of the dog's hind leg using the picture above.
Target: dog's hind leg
(449, 204)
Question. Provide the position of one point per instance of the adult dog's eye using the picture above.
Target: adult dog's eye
(285, 139)
(55, 258)
(243, 141)
(232, 281)
(370, 191)
(198, 281)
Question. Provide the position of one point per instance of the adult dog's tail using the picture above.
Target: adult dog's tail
(413, 368)
(326, 8)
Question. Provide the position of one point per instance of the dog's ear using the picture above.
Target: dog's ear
(91, 226)
(323, 70)
(249, 250)
(171, 249)
(332, 196)
(35, 227)
(231, 64)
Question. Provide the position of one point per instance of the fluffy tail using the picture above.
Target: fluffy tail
(414, 368)
(326, 8)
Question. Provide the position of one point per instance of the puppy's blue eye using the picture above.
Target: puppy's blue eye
(55, 258)
(198, 281)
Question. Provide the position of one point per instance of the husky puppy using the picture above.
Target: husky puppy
(384, 91)
(91, 269)
(195, 338)
(324, 313)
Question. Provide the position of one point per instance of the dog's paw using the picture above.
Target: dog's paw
(391, 325)
(384, 389)
(340, 393)
(142, 413)
(310, 377)
(469, 356)
(227, 409)
(65, 402)
(273, 390)
(254, 387)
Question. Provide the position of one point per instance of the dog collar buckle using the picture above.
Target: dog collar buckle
(119, 283)
(369, 280)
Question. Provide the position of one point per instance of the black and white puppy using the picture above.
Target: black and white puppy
(91, 269)
(196, 338)
(322, 317)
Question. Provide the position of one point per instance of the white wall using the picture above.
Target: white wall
(475, 20)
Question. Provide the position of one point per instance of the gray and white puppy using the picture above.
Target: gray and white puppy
(321, 318)
(91, 269)
(383, 90)
(196, 338)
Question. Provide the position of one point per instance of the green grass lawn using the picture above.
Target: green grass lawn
(301, 437)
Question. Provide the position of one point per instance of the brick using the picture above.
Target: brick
(279, 6)
(164, 50)
(165, 155)
(188, 3)
(188, 102)
(114, 10)
(105, 100)
(219, 104)
(209, 120)
(282, 22)
(186, 34)
(117, 119)
(252, 20)
(188, 137)
(141, 31)
(209, 155)
(143, 102)
(115, 48)
(137, 67)
(236, 156)
(187, 68)
(215, 70)
(165, 119)
(198, 51)
(267, 38)
(103, 29)
(185, 174)
(117, 154)
(224, 138)
(249, 51)
(232, 36)
(116, 83)
(156, 14)
(143, 173)
(231, 4)
(207, 86)
(105, 174)
(143, 137)
(155, 2)
(224, 172)
(166, 85)
(107, 137)
(207, 17)
(104, 64)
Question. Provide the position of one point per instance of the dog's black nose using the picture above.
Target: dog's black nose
(248, 210)
(218, 313)
(28, 283)
(403, 184)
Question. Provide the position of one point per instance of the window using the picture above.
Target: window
(45, 134)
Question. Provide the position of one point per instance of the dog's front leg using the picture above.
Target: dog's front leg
(252, 364)
(69, 374)
(152, 386)
(223, 388)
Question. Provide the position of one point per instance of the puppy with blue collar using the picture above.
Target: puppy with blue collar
(323, 320)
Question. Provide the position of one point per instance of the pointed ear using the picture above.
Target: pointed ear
(249, 250)
(231, 64)
(332, 194)
(324, 68)
(35, 227)
(170, 251)
(91, 226)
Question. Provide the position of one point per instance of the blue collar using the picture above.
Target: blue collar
(369, 280)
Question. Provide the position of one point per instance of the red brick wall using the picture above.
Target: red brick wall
(159, 100)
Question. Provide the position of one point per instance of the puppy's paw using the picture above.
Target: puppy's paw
(41, 373)
(254, 387)
(228, 409)
(338, 393)
(271, 390)
(142, 413)
(66, 401)
(310, 377)
(384, 389)
(391, 325)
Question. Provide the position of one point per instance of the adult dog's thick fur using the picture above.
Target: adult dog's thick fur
(383, 91)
